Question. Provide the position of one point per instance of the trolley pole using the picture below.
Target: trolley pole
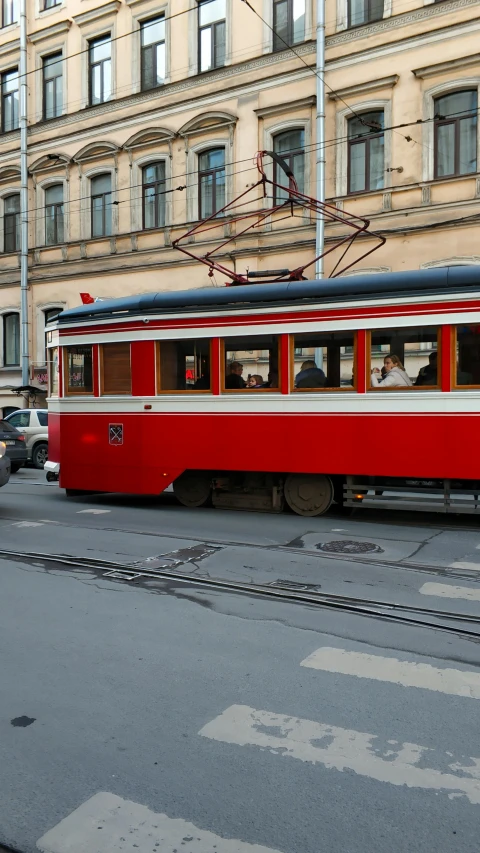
(24, 197)
(320, 127)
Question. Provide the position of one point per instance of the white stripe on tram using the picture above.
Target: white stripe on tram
(346, 749)
(455, 682)
(443, 590)
(132, 828)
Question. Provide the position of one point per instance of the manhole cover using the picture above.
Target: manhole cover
(302, 587)
(349, 546)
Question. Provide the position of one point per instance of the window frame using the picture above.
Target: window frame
(367, 18)
(205, 172)
(6, 363)
(280, 45)
(161, 17)
(52, 392)
(150, 184)
(365, 140)
(99, 63)
(223, 390)
(67, 390)
(15, 20)
(50, 4)
(103, 235)
(453, 363)
(289, 158)
(408, 388)
(55, 205)
(159, 391)
(102, 391)
(212, 26)
(58, 107)
(351, 389)
(16, 229)
(9, 95)
(437, 123)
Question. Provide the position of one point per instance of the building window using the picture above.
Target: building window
(366, 159)
(364, 12)
(211, 182)
(11, 339)
(288, 23)
(290, 146)
(153, 52)
(54, 215)
(153, 192)
(211, 34)
(101, 188)
(79, 370)
(10, 100)
(100, 70)
(184, 365)
(11, 223)
(116, 371)
(456, 134)
(52, 86)
(324, 360)
(50, 4)
(10, 12)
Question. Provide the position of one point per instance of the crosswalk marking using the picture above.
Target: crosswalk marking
(444, 590)
(408, 674)
(109, 824)
(93, 511)
(465, 565)
(346, 749)
(28, 524)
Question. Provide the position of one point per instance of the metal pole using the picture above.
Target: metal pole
(320, 124)
(24, 197)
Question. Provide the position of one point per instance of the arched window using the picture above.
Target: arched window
(54, 215)
(456, 134)
(366, 158)
(11, 339)
(153, 194)
(101, 211)
(290, 145)
(11, 223)
(211, 182)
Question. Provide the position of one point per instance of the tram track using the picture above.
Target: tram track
(422, 617)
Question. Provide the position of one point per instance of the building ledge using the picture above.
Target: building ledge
(50, 32)
(96, 14)
(363, 88)
(447, 67)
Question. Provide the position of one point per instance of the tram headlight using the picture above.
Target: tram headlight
(3, 448)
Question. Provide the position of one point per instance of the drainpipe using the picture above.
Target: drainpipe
(24, 197)
(320, 125)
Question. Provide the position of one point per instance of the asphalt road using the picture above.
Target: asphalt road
(181, 718)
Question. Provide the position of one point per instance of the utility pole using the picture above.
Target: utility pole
(320, 125)
(24, 197)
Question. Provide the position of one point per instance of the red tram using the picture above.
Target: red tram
(206, 389)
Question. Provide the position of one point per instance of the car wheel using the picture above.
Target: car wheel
(40, 455)
(14, 467)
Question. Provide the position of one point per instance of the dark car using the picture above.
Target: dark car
(16, 448)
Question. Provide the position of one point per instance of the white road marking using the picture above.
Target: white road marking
(408, 674)
(28, 524)
(443, 590)
(346, 749)
(93, 511)
(106, 823)
(465, 566)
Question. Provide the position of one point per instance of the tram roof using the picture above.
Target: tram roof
(440, 280)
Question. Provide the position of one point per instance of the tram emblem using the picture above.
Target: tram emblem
(115, 433)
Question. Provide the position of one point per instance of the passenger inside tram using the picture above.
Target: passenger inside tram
(396, 375)
(310, 376)
(234, 378)
(255, 381)
(427, 375)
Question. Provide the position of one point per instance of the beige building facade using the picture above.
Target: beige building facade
(145, 116)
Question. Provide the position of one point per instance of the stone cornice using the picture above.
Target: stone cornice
(98, 13)
(277, 109)
(50, 32)
(186, 85)
(450, 65)
(363, 88)
(396, 21)
(10, 47)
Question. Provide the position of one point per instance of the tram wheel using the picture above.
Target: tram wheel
(308, 494)
(193, 488)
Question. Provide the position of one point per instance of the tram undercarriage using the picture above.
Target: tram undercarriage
(312, 495)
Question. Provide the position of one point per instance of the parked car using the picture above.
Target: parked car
(15, 445)
(33, 424)
(5, 465)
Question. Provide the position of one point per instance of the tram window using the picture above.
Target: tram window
(323, 361)
(251, 363)
(79, 372)
(116, 371)
(467, 350)
(413, 352)
(184, 365)
(53, 371)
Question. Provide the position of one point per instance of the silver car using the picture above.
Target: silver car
(33, 424)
